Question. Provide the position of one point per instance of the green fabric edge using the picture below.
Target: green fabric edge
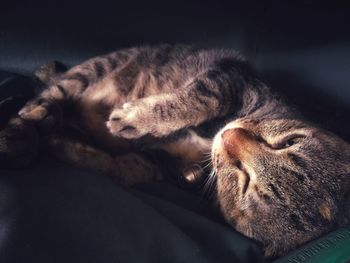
(331, 248)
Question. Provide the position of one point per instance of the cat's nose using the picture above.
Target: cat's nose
(238, 140)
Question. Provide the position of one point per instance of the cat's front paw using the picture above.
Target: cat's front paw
(128, 123)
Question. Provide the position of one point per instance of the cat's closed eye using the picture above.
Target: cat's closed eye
(288, 142)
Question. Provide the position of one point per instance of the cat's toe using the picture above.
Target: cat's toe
(122, 124)
(33, 111)
(123, 130)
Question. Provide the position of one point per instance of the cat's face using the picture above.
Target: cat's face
(281, 182)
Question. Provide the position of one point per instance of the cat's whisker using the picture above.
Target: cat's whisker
(209, 185)
(206, 158)
(205, 162)
(211, 191)
(209, 164)
(207, 155)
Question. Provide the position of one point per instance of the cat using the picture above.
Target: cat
(279, 179)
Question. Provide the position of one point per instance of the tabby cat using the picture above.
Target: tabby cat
(279, 179)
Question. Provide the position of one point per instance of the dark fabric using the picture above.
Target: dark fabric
(55, 213)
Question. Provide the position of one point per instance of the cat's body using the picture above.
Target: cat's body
(178, 80)
(279, 179)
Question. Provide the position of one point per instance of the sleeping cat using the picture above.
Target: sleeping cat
(279, 179)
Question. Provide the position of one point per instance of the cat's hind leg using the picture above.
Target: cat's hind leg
(62, 89)
(126, 169)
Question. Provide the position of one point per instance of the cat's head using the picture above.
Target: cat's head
(282, 182)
